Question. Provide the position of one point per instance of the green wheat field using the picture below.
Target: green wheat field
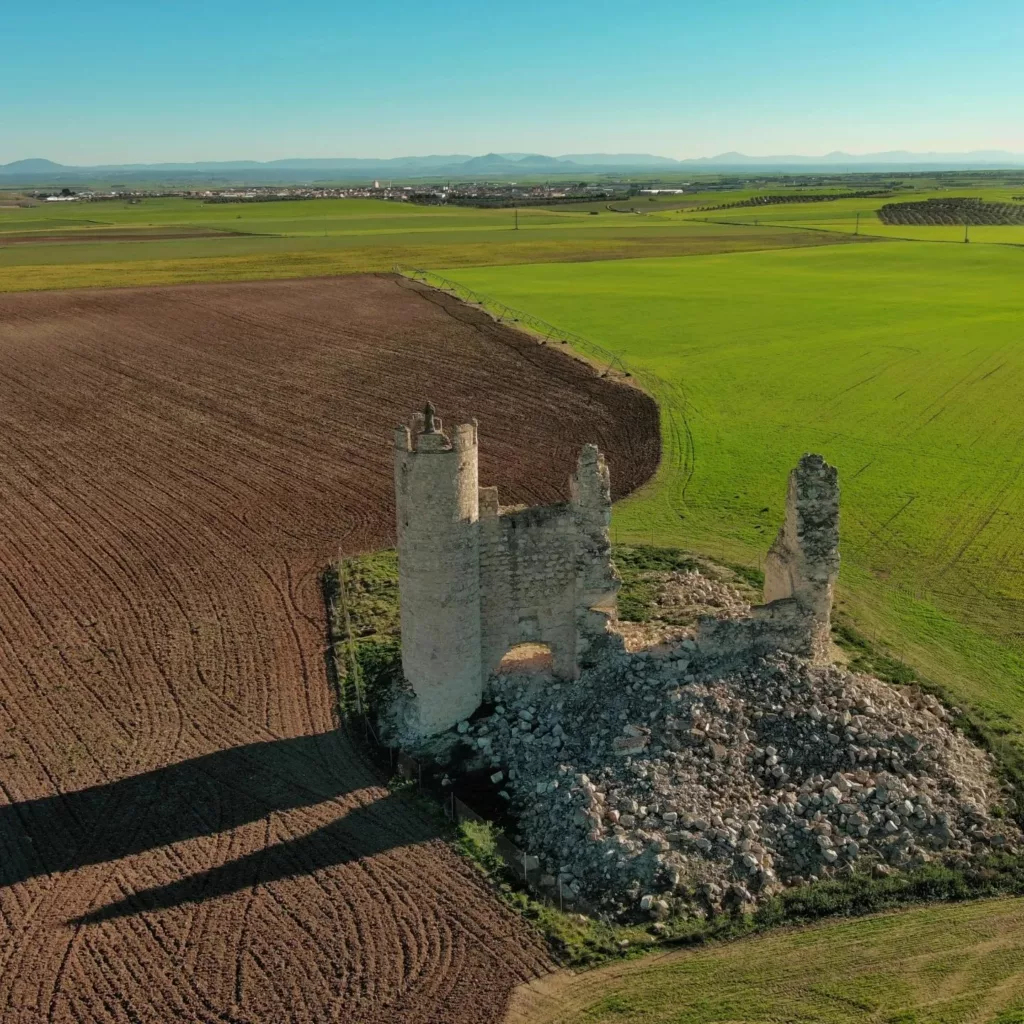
(177, 241)
(938, 965)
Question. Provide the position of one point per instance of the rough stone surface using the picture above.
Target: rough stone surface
(803, 563)
(436, 487)
(477, 579)
(688, 784)
(800, 573)
(683, 599)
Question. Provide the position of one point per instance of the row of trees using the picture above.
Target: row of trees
(801, 197)
(951, 210)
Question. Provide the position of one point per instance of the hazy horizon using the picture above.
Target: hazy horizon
(228, 80)
(607, 151)
(924, 156)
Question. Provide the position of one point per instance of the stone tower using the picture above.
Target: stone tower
(477, 579)
(800, 575)
(437, 502)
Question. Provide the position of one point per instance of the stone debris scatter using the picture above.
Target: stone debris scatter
(667, 782)
(683, 598)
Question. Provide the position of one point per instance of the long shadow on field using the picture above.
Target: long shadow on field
(198, 797)
(385, 824)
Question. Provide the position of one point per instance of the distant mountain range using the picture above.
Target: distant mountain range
(492, 166)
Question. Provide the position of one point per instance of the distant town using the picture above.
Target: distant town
(483, 194)
(462, 194)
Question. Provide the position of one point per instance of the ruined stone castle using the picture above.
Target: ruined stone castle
(477, 579)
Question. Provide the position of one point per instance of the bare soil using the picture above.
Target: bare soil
(185, 833)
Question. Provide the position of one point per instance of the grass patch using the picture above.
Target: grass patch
(949, 964)
(753, 578)
(638, 568)
(361, 595)
(865, 658)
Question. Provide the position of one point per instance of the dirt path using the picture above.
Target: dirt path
(183, 834)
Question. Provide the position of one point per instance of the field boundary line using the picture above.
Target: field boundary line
(508, 314)
(671, 399)
(851, 234)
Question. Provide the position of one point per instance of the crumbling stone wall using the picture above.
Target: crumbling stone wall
(546, 573)
(528, 583)
(803, 563)
(799, 580)
(477, 579)
(597, 584)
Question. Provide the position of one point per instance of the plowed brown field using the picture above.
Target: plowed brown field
(185, 835)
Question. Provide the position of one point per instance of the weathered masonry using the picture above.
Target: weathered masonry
(800, 575)
(476, 579)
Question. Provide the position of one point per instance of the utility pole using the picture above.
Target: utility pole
(515, 210)
(967, 237)
(856, 229)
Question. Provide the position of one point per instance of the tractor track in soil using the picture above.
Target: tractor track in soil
(185, 833)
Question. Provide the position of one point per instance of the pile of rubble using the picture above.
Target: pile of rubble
(659, 783)
(683, 598)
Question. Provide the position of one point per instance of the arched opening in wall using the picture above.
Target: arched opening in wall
(527, 659)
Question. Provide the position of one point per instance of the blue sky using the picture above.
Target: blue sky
(112, 82)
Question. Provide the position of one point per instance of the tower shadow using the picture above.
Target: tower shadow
(201, 796)
(385, 824)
